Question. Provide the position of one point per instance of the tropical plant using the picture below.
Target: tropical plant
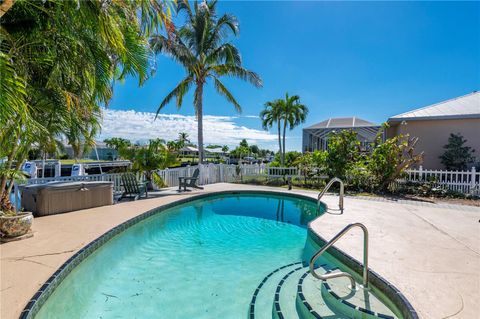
(254, 149)
(150, 158)
(293, 114)
(117, 143)
(389, 159)
(343, 152)
(183, 138)
(306, 166)
(319, 159)
(240, 152)
(290, 159)
(270, 115)
(288, 112)
(457, 155)
(57, 63)
(10, 175)
(201, 47)
(244, 143)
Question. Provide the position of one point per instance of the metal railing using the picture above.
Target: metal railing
(327, 187)
(341, 273)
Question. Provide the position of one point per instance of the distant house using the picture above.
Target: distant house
(433, 124)
(189, 151)
(100, 151)
(315, 137)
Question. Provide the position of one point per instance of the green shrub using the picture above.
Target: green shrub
(359, 178)
(290, 159)
(389, 159)
(457, 156)
(343, 152)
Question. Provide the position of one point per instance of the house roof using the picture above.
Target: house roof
(189, 149)
(217, 150)
(466, 106)
(342, 122)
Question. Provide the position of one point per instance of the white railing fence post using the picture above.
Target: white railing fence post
(473, 180)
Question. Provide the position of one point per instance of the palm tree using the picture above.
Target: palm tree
(183, 138)
(200, 46)
(271, 115)
(53, 82)
(288, 112)
(293, 114)
(152, 157)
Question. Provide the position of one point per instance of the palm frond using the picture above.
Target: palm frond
(178, 93)
(237, 71)
(222, 90)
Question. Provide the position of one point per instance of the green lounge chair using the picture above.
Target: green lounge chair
(133, 188)
(189, 181)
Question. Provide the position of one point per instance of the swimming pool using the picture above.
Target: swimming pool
(223, 256)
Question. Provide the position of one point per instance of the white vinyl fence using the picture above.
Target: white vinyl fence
(212, 173)
(466, 182)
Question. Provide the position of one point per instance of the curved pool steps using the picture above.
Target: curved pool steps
(315, 310)
(283, 306)
(263, 296)
(335, 294)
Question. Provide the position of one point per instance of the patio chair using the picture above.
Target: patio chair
(133, 188)
(189, 181)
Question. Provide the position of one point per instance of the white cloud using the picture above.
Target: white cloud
(141, 126)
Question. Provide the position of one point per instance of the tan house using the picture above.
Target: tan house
(434, 123)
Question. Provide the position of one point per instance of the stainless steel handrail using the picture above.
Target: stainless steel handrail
(327, 187)
(343, 274)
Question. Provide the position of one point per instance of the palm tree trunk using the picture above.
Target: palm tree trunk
(284, 132)
(8, 164)
(3, 183)
(199, 109)
(280, 142)
(17, 167)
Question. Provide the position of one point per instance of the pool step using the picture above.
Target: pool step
(309, 301)
(263, 297)
(340, 299)
(285, 301)
(283, 306)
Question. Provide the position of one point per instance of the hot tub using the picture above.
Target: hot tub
(62, 197)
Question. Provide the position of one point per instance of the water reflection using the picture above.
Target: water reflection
(278, 208)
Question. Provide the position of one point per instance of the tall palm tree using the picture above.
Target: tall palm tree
(288, 112)
(201, 47)
(293, 113)
(270, 115)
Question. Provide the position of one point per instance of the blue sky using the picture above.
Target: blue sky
(367, 59)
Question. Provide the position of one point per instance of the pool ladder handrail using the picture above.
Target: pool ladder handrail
(341, 273)
(341, 194)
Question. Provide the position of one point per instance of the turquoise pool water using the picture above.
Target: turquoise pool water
(203, 259)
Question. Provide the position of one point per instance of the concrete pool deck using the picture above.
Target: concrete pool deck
(430, 253)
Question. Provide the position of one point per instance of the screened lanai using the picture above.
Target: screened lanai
(315, 137)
